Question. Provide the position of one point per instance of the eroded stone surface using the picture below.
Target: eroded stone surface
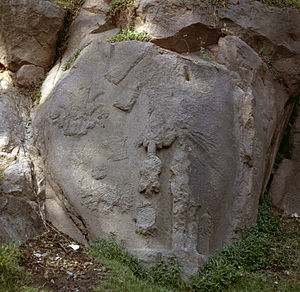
(19, 210)
(189, 25)
(169, 153)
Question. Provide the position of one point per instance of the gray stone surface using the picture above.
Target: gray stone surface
(168, 144)
(28, 32)
(270, 31)
(19, 209)
(285, 188)
(169, 152)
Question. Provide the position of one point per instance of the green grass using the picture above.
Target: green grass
(257, 282)
(12, 276)
(128, 273)
(128, 35)
(123, 279)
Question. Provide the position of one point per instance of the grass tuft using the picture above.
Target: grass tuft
(128, 35)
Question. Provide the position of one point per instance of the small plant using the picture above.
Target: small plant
(204, 54)
(113, 250)
(34, 93)
(267, 59)
(127, 35)
(73, 58)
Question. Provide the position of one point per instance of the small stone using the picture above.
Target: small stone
(29, 75)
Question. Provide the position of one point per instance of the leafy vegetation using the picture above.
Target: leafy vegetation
(123, 11)
(250, 261)
(127, 35)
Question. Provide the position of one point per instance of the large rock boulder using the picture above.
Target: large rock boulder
(171, 152)
(28, 34)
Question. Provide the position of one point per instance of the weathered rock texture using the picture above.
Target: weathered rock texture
(272, 32)
(168, 144)
(19, 210)
(169, 151)
(28, 34)
(285, 188)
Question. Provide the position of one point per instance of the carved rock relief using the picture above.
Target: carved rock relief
(117, 147)
(149, 175)
(146, 220)
(77, 118)
(127, 99)
(105, 198)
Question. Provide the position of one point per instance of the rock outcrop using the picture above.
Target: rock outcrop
(28, 35)
(169, 143)
(170, 148)
(272, 32)
(19, 208)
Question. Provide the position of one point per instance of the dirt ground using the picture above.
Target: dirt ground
(55, 265)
